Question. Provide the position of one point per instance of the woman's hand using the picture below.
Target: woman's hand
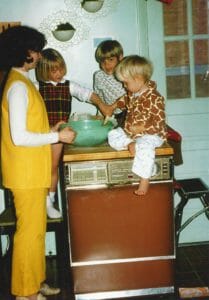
(56, 127)
(67, 135)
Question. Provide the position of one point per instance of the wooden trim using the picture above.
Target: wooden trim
(5, 25)
(104, 152)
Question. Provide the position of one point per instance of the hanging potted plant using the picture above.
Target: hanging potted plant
(64, 32)
(92, 5)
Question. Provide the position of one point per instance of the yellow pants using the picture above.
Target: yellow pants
(28, 261)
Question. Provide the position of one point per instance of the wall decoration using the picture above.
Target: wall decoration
(49, 25)
(75, 15)
(64, 32)
(92, 6)
(108, 6)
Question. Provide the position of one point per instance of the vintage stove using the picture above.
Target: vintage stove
(111, 172)
(121, 245)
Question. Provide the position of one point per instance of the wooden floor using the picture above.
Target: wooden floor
(192, 270)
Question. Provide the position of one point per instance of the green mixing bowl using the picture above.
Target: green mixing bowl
(90, 132)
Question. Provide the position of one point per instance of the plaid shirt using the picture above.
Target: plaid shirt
(57, 100)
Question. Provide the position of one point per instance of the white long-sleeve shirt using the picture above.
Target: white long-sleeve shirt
(18, 103)
(108, 88)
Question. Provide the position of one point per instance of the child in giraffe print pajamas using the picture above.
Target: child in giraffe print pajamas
(145, 127)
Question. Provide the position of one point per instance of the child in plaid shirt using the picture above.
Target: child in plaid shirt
(57, 93)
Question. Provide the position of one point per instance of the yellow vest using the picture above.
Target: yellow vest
(25, 167)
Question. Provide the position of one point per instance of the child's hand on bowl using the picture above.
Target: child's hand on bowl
(67, 135)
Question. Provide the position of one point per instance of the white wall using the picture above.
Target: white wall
(137, 24)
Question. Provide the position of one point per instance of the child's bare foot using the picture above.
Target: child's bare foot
(143, 187)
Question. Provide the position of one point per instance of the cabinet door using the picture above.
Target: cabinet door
(114, 223)
(122, 242)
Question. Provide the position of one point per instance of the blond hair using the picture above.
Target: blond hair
(50, 61)
(107, 49)
(132, 66)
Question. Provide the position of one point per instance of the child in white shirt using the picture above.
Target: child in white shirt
(108, 54)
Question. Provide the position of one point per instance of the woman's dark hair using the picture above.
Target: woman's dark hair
(15, 42)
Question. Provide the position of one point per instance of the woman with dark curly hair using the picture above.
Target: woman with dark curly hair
(26, 156)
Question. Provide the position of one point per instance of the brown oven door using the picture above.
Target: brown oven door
(120, 241)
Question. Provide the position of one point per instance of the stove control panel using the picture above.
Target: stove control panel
(112, 172)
